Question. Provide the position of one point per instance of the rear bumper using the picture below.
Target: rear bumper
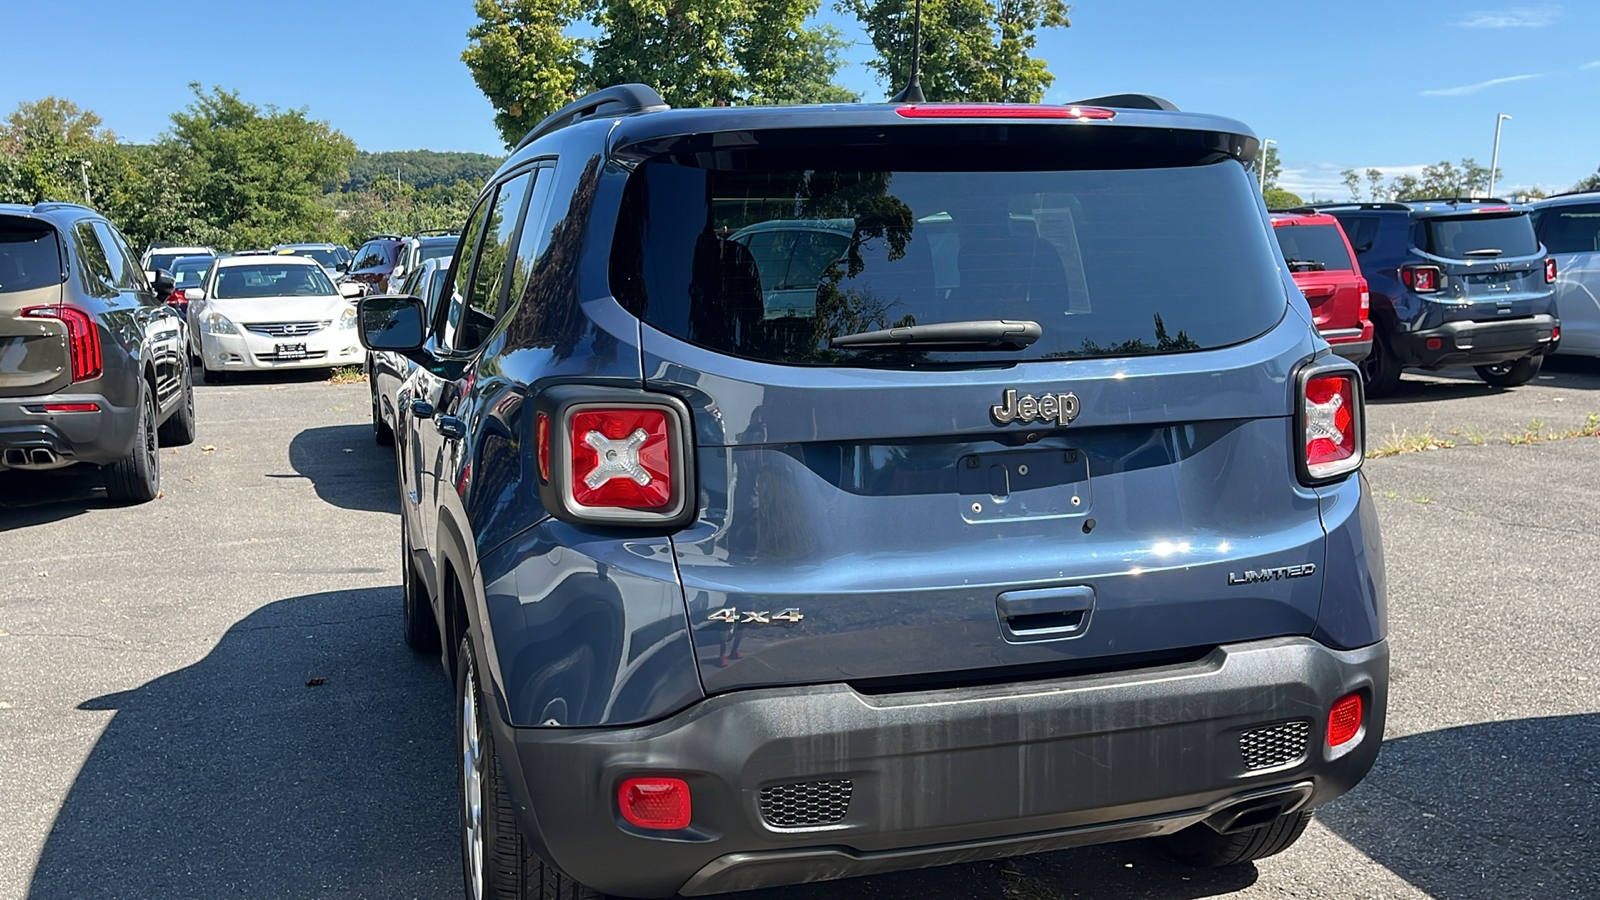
(1476, 343)
(69, 437)
(1354, 344)
(943, 776)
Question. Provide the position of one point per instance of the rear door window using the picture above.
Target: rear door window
(98, 278)
(30, 256)
(1361, 230)
(1570, 229)
(772, 258)
(1466, 237)
(1313, 248)
(485, 303)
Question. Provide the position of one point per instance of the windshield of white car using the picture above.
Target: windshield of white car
(271, 279)
(327, 256)
(190, 271)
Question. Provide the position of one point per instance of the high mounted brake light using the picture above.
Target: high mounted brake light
(1329, 427)
(612, 456)
(1002, 111)
(83, 337)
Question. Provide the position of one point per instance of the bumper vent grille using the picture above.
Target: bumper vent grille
(1263, 748)
(806, 803)
(287, 329)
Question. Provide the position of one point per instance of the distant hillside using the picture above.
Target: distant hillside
(422, 169)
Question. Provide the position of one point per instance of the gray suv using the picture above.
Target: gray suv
(806, 492)
(92, 361)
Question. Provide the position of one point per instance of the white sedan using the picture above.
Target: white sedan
(271, 312)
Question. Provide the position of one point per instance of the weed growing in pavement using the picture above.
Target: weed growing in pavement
(1476, 437)
(1406, 442)
(347, 375)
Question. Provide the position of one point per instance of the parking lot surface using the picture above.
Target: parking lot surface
(207, 696)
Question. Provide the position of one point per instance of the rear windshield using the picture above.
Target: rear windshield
(162, 260)
(1313, 248)
(432, 250)
(271, 279)
(29, 255)
(770, 262)
(1476, 236)
(376, 255)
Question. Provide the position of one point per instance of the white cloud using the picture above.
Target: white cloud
(1474, 88)
(1515, 17)
(1591, 65)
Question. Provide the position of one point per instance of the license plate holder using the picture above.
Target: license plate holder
(1023, 484)
(290, 351)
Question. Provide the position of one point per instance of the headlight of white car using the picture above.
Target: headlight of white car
(347, 319)
(217, 323)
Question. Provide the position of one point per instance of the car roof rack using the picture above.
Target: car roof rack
(53, 205)
(1129, 101)
(1355, 204)
(383, 237)
(1459, 200)
(619, 100)
(437, 232)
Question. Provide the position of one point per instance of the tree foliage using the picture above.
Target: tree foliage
(46, 144)
(1442, 179)
(1592, 183)
(1271, 169)
(422, 169)
(695, 52)
(1278, 198)
(975, 50)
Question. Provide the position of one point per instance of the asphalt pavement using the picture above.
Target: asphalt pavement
(207, 696)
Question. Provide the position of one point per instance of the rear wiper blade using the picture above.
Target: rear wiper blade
(978, 334)
(1487, 251)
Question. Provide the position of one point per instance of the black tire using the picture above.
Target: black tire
(136, 478)
(421, 630)
(212, 376)
(1381, 368)
(509, 869)
(178, 429)
(1198, 845)
(382, 434)
(1511, 374)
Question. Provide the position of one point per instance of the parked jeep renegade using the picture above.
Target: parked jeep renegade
(1036, 522)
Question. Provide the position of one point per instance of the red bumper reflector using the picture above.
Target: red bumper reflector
(1344, 721)
(657, 803)
(1002, 111)
(1435, 343)
(72, 407)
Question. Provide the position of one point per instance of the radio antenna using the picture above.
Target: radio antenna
(912, 93)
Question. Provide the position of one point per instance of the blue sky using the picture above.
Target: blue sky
(1393, 85)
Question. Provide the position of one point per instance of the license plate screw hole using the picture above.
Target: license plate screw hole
(1022, 470)
(977, 507)
(1077, 501)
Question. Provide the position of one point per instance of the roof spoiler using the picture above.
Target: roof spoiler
(620, 100)
(1129, 101)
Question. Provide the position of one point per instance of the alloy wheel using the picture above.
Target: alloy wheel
(472, 834)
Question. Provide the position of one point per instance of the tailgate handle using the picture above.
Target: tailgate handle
(1045, 614)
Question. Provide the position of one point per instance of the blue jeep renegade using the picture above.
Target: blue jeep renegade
(809, 492)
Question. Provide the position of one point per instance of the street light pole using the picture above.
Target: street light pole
(1261, 170)
(1494, 160)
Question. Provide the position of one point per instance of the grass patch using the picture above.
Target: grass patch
(347, 375)
(1406, 442)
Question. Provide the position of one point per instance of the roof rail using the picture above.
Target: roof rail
(1458, 200)
(618, 100)
(384, 237)
(1569, 194)
(51, 205)
(1356, 204)
(437, 232)
(1129, 101)
(1297, 210)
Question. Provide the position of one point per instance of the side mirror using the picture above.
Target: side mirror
(391, 322)
(351, 290)
(164, 283)
(194, 294)
(398, 272)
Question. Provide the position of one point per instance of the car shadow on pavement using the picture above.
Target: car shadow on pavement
(35, 498)
(1573, 373)
(346, 467)
(309, 754)
(1502, 809)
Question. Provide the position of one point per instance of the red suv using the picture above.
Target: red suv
(1324, 266)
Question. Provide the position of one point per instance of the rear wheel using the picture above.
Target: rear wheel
(1510, 374)
(1199, 845)
(495, 860)
(178, 429)
(1381, 368)
(136, 478)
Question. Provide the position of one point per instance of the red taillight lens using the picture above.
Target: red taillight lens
(1344, 720)
(1366, 298)
(83, 337)
(1421, 279)
(542, 437)
(1549, 270)
(621, 458)
(1330, 424)
(1002, 111)
(661, 804)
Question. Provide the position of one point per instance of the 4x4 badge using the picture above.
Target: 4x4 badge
(1061, 408)
(790, 616)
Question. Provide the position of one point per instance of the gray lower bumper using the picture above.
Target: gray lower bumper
(103, 436)
(943, 776)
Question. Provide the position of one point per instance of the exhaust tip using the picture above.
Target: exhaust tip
(15, 459)
(43, 457)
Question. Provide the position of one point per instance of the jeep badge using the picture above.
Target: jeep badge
(1060, 408)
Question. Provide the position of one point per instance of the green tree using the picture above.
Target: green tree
(1272, 168)
(1352, 183)
(257, 175)
(45, 145)
(975, 50)
(1278, 198)
(694, 52)
(421, 169)
(1375, 185)
(1592, 183)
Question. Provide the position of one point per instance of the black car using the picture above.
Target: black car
(93, 368)
(995, 495)
(1452, 282)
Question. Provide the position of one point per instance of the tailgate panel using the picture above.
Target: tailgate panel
(34, 359)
